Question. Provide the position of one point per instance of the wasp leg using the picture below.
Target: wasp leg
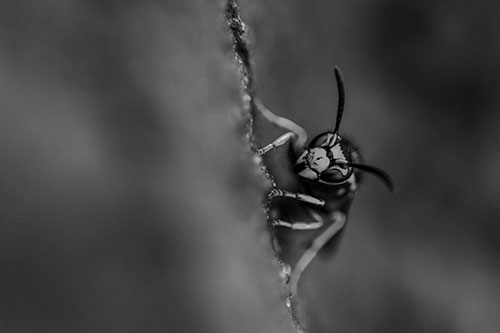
(338, 222)
(276, 143)
(318, 223)
(294, 195)
(300, 139)
(297, 225)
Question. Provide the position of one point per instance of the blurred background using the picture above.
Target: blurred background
(130, 202)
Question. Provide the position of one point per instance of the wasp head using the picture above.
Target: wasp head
(326, 160)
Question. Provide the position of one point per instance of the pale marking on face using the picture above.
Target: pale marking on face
(317, 159)
(332, 138)
(302, 157)
(337, 152)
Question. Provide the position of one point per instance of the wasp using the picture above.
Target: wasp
(328, 170)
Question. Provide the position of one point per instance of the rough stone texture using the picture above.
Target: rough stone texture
(130, 202)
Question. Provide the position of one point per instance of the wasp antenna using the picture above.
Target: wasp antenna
(340, 108)
(384, 176)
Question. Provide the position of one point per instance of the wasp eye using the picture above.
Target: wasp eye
(336, 174)
(326, 139)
